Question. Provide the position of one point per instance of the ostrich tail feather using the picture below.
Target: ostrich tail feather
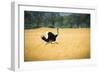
(44, 38)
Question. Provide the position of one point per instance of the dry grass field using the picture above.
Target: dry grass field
(73, 43)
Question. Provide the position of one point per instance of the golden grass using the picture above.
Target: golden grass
(73, 43)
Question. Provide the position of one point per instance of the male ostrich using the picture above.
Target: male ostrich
(51, 37)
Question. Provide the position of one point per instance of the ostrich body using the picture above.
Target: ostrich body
(51, 37)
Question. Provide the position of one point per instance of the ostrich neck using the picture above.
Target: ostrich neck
(57, 31)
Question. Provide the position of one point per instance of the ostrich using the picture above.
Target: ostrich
(51, 37)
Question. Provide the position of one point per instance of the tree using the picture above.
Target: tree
(36, 19)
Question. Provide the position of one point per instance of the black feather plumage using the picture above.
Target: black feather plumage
(51, 37)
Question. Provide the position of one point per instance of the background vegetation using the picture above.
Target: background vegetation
(36, 19)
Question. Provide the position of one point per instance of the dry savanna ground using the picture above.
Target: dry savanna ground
(73, 43)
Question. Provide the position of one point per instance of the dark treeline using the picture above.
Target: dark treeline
(34, 19)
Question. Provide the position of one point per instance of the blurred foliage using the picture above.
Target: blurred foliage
(36, 19)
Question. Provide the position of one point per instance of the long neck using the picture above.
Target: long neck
(57, 31)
